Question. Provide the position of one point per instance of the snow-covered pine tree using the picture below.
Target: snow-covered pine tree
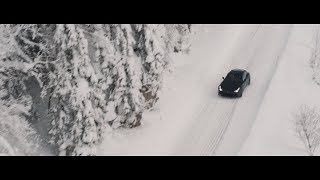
(75, 121)
(105, 58)
(15, 103)
(14, 126)
(85, 94)
(150, 48)
(155, 44)
(6, 41)
(177, 37)
(35, 44)
(15, 106)
(127, 99)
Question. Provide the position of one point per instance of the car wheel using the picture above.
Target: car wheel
(240, 95)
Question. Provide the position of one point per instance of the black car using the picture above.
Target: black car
(234, 83)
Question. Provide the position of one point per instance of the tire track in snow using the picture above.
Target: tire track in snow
(262, 86)
(222, 111)
(224, 122)
(223, 118)
(197, 140)
(215, 140)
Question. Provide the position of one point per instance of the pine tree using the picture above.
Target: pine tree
(14, 126)
(15, 103)
(151, 48)
(127, 98)
(75, 123)
(106, 61)
(177, 37)
(155, 44)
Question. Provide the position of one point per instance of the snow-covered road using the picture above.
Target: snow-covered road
(262, 65)
(191, 119)
(223, 123)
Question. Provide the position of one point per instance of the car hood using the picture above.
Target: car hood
(230, 85)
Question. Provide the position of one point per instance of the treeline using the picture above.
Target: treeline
(93, 77)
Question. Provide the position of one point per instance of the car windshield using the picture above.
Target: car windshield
(235, 76)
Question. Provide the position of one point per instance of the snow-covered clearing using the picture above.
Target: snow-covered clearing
(292, 85)
(190, 118)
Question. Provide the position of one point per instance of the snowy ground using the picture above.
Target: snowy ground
(190, 118)
(292, 85)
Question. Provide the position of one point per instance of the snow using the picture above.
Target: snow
(5, 148)
(292, 86)
(264, 54)
(190, 90)
(191, 119)
(83, 88)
